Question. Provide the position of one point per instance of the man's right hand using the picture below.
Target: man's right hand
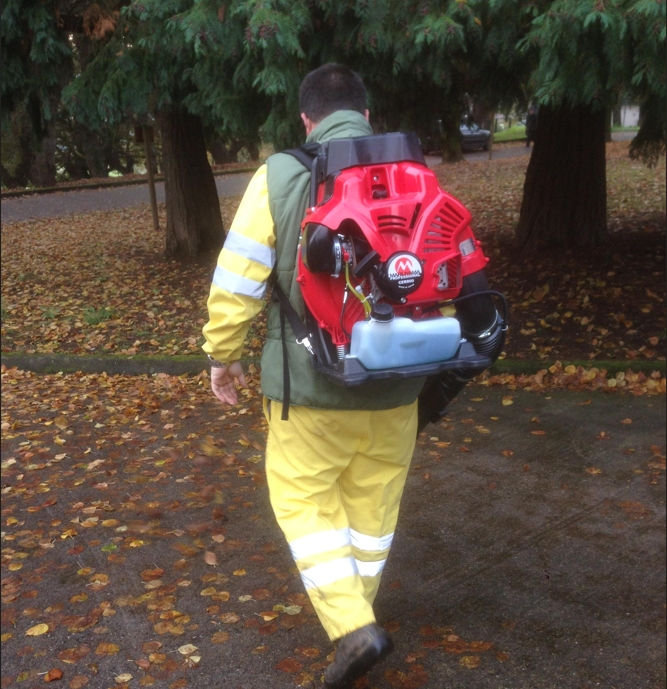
(222, 382)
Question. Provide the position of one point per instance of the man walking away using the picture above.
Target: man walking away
(337, 466)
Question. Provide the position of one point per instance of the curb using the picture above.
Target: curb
(106, 185)
(181, 365)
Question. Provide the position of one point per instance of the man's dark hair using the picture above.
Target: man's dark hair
(329, 88)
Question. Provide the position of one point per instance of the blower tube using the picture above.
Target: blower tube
(482, 326)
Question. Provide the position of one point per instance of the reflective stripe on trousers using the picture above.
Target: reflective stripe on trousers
(335, 481)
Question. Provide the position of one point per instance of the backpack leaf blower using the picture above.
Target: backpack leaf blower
(391, 274)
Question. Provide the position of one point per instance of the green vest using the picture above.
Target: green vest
(289, 187)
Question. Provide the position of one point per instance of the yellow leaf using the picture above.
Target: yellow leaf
(6, 637)
(293, 609)
(37, 630)
(122, 679)
(105, 649)
(187, 649)
(239, 572)
(208, 591)
(470, 661)
(593, 470)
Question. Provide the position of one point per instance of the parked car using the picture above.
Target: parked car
(472, 137)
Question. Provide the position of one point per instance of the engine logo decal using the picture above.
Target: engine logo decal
(404, 272)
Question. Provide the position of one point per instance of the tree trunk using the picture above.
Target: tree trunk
(43, 162)
(607, 126)
(451, 140)
(93, 151)
(565, 193)
(194, 223)
(219, 152)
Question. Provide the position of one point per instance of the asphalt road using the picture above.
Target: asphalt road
(87, 201)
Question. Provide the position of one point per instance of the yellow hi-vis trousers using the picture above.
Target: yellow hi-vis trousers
(335, 483)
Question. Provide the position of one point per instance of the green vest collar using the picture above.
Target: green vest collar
(340, 124)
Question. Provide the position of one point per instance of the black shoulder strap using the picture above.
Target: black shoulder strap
(298, 326)
(304, 155)
(308, 156)
(288, 312)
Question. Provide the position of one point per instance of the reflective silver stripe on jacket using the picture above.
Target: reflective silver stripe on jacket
(251, 249)
(237, 284)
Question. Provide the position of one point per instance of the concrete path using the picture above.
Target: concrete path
(529, 552)
(87, 201)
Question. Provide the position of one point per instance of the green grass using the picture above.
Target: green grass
(515, 133)
(94, 316)
(50, 313)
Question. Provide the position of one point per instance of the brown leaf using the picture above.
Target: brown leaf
(308, 651)
(151, 646)
(289, 665)
(229, 618)
(53, 675)
(152, 574)
(106, 649)
(74, 655)
(210, 558)
(220, 637)
(78, 682)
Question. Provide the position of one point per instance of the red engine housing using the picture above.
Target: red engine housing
(396, 208)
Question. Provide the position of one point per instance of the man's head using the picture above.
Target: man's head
(327, 89)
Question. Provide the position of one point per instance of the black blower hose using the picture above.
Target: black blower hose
(483, 327)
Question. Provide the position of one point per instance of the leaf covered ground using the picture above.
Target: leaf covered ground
(98, 283)
(139, 548)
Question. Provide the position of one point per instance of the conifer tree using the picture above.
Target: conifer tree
(36, 64)
(578, 56)
(179, 63)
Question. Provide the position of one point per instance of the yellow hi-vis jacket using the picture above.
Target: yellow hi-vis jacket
(241, 275)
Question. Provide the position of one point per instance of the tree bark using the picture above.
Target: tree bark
(565, 193)
(92, 149)
(43, 162)
(219, 152)
(451, 140)
(194, 223)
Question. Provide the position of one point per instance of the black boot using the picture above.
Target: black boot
(356, 654)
